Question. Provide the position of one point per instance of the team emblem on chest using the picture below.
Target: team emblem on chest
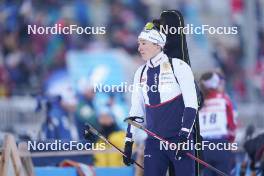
(166, 74)
(166, 66)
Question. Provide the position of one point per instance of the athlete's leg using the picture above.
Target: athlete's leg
(185, 166)
(155, 160)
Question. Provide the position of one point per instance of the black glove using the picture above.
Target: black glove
(182, 138)
(128, 152)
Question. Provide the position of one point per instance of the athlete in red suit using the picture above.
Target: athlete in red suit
(217, 123)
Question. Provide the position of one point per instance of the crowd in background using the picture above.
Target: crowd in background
(26, 61)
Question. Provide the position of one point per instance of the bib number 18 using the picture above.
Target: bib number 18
(209, 119)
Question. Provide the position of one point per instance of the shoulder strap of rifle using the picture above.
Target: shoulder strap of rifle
(142, 73)
(170, 61)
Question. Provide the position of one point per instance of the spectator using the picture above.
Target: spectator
(110, 130)
(85, 112)
(59, 123)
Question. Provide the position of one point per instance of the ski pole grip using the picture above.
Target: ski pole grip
(131, 122)
(91, 128)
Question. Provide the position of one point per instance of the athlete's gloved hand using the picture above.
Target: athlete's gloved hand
(128, 152)
(182, 138)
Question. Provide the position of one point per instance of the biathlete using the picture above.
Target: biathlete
(217, 124)
(164, 93)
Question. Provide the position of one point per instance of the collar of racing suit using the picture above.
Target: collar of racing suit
(157, 60)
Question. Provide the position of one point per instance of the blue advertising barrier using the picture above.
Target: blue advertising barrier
(70, 171)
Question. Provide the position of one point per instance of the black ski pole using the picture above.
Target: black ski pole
(95, 132)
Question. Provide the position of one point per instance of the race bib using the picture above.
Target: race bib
(213, 118)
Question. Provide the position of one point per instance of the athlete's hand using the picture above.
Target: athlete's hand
(128, 152)
(182, 138)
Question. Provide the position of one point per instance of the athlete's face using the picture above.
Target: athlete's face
(147, 49)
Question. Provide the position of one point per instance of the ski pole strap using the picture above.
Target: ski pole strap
(132, 118)
(144, 129)
(133, 123)
(135, 118)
